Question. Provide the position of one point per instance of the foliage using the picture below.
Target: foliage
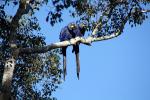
(111, 13)
(32, 69)
(35, 69)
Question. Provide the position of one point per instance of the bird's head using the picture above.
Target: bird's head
(83, 25)
(72, 26)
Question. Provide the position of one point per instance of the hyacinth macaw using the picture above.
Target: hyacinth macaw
(68, 32)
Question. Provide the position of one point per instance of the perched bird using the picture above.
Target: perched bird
(79, 32)
(68, 32)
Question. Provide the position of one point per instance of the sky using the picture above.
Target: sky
(116, 69)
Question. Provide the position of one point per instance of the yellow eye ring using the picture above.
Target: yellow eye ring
(72, 26)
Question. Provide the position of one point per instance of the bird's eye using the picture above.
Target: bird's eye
(84, 26)
(72, 26)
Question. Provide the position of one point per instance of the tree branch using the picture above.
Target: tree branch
(73, 41)
(145, 11)
(15, 21)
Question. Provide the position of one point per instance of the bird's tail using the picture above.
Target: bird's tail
(64, 61)
(76, 48)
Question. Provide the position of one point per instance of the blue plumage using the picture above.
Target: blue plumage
(78, 32)
(71, 31)
(68, 32)
(65, 34)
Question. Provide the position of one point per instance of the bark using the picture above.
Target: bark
(7, 78)
(11, 62)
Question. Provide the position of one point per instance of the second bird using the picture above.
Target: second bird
(68, 32)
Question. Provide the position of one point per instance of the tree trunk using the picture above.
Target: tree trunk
(7, 79)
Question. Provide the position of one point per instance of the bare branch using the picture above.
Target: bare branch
(145, 11)
(86, 41)
(15, 21)
(73, 41)
(107, 13)
(51, 46)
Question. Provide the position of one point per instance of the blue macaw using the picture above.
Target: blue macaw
(68, 32)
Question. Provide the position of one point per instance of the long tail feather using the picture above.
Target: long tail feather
(64, 62)
(76, 48)
(78, 65)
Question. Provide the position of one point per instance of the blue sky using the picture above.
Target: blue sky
(116, 69)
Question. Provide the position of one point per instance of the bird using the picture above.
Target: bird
(70, 31)
(66, 34)
(79, 32)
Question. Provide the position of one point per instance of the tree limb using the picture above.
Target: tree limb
(73, 41)
(145, 11)
(15, 21)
